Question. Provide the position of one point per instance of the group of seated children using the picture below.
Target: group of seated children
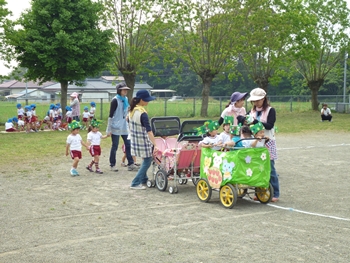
(232, 137)
(28, 121)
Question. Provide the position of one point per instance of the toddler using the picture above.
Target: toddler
(94, 141)
(212, 140)
(86, 116)
(254, 131)
(20, 111)
(73, 144)
(9, 127)
(92, 110)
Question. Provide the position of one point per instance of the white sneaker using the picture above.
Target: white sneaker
(138, 187)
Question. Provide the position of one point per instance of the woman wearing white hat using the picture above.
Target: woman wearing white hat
(262, 112)
(75, 105)
(235, 108)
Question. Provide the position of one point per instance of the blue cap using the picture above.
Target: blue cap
(9, 120)
(28, 107)
(19, 105)
(15, 119)
(144, 95)
(58, 105)
(33, 106)
(68, 108)
(93, 104)
(52, 106)
(86, 108)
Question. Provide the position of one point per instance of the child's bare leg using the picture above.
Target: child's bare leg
(75, 162)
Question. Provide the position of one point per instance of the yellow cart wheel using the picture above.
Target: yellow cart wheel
(228, 195)
(264, 195)
(203, 190)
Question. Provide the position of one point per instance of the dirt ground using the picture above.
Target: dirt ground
(48, 216)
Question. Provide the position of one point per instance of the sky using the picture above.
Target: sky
(17, 7)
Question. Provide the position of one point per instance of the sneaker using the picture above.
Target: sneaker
(74, 172)
(123, 165)
(137, 164)
(89, 168)
(133, 167)
(98, 171)
(138, 187)
(114, 169)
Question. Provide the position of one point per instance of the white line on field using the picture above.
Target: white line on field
(308, 147)
(309, 213)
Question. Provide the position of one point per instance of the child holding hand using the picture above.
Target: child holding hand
(73, 145)
(94, 141)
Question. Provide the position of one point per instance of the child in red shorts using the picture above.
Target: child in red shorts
(74, 143)
(94, 141)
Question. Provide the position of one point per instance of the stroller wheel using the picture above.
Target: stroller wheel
(161, 180)
(173, 190)
(228, 195)
(150, 183)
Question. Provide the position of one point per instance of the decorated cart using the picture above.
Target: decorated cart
(234, 174)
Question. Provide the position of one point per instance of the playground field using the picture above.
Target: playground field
(48, 216)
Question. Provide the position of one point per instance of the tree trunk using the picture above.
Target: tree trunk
(262, 82)
(130, 79)
(64, 90)
(314, 86)
(205, 95)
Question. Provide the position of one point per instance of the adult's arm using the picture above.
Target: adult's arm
(113, 107)
(271, 119)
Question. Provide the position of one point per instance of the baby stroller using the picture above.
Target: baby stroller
(181, 163)
(166, 131)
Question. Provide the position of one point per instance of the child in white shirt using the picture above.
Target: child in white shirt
(73, 144)
(213, 140)
(94, 142)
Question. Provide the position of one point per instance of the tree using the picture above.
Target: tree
(323, 42)
(138, 28)
(4, 12)
(60, 40)
(204, 38)
(266, 36)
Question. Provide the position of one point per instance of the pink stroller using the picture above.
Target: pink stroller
(177, 160)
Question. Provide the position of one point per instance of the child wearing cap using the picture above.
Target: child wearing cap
(68, 114)
(20, 111)
(94, 137)
(254, 131)
(212, 140)
(19, 124)
(86, 118)
(9, 127)
(74, 144)
(92, 110)
(28, 118)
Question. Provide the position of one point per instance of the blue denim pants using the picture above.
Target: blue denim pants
(141, 176)
(274, 180)
(115, 142)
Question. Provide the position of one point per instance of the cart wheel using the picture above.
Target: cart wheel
(176, 189)
(203, 190)
(181, 181)
(264, 195)
(228, 196)
(149, 183)
(161, 180)
(185, 181)
(172, 189)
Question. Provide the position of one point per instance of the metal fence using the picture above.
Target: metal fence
(191, 106)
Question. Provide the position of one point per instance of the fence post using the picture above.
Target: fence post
(165, 106)
(291, 104)
(194, 106)
(101, 111)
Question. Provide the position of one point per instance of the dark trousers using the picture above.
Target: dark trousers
(326, 118)
(113, 153)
